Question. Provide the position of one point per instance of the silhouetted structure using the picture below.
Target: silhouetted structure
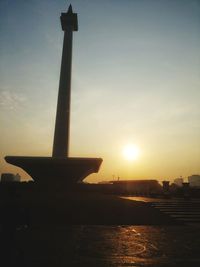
(69, 24)
(10, 177)
(60, 168)
(194, 180)
(186, 190)
(137, 187)
(166, 188)
(178, 181)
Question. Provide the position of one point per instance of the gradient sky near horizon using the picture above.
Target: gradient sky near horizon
(136, 79)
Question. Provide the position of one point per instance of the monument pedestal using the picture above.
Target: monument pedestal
(50, 171)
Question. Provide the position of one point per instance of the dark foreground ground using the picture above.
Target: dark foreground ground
(82, 229)
(108, 246)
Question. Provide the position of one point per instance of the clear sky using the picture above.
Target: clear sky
(136, 79)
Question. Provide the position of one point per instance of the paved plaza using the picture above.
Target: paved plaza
(185, 211)
(107, 246)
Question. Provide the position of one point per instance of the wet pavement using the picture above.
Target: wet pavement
(107, 246)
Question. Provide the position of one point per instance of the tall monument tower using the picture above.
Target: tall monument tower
(60, 169)
(69, 24)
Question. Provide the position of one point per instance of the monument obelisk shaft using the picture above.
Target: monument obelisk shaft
(62, 126)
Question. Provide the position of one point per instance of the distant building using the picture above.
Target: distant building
(194, 180)
(10, 177)
(136, 186)
(178, 181)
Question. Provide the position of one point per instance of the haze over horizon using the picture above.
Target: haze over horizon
(135, 80)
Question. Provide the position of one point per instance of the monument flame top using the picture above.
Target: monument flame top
(69, 19)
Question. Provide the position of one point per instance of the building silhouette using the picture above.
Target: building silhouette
(194, 180)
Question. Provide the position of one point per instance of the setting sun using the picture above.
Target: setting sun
(131, 152)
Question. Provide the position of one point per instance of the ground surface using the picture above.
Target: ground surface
(92, 208)
(98, 230)
(107, 246)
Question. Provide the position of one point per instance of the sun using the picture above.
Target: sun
(131, 152)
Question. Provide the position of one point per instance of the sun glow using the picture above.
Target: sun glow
(131, 152)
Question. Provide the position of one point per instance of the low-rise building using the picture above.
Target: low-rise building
(194, 180)
(178, 181)
(136, 187)
(10, 177)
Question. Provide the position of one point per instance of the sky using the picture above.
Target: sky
(135, 80)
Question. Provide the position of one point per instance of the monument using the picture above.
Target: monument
(69, 24)
(60, 168)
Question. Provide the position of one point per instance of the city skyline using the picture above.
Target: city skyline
(135, 80)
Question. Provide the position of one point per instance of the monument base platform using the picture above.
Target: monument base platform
(48, 170)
